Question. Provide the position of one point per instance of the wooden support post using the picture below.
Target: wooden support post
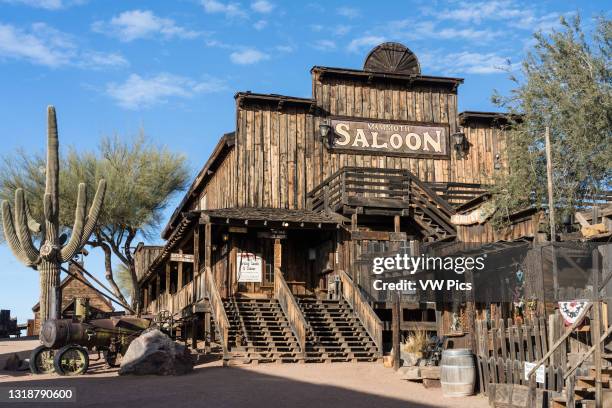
(194, 332)
(208, 336)
(167, 277)
(278, 255)
(396, 223)
(551, 210)
(596, 328)
(208, 248)
(180, 278)
(471, 310)
(396, 331)
(196, 263)
(354, 222)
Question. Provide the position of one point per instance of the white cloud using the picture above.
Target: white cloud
(316, 28)
(284, 48)
(466, 63)
(324, 45)
(262, 6)
(367, 41)
(45, 45)
(229, 9)
(46, 4)
(260, 24)
(139, 92)
(486, 10)
(135, 24)
(51, 49)
(348, 12)
(248, 56)
(510, 12)
(341, 29)
(100, 60)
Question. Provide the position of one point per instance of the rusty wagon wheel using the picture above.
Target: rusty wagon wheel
(41, 360)
(111, 358)
(71, 360)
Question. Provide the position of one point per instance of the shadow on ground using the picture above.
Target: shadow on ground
(213, 387)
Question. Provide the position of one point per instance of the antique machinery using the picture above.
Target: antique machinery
(66, 343)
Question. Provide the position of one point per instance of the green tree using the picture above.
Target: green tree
(565, 84)
(141, 181)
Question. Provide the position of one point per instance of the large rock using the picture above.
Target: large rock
(153, 352)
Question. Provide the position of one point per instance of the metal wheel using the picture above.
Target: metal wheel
(110, 358)
(71, 360)
(41, 360)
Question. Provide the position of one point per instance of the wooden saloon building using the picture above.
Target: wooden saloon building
(269, 244)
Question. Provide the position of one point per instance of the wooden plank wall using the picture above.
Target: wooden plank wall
(279, 157)
(390, 101)
(221, 190)
(479, 164)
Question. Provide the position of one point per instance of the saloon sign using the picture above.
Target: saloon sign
(390, 138)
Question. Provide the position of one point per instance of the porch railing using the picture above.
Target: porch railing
(386, 187)
(292, 310)
(218, 311)
(372, 323)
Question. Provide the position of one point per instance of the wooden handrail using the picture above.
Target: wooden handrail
(588, 353)
(218, 311)
(291, 309)
(560, 340)
(370, 321)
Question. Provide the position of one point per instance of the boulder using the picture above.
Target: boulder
(14, 363)
(153, 352)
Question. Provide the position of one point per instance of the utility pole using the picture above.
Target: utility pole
(551, 209)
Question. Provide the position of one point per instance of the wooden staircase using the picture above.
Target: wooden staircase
(583, 393)
(259, 332)
(431, 212)
(336, 334)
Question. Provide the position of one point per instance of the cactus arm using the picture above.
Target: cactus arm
(94, 211)
(33, 225)
(23, 232)
(11, 235)
(52, 175)
(50, 227)
(73, 246)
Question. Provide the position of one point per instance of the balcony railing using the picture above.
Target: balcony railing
(360, 186)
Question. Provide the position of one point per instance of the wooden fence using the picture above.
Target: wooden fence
(503, 348)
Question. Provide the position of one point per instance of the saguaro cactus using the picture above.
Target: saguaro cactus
(52, 253)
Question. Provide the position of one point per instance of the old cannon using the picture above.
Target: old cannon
(66, 343)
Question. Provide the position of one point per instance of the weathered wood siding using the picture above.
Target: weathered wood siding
(395, 101)
(485, 142)
(221, 191)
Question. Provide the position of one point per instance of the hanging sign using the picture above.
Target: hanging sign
(540, 374)
(179, 257)
(572, 310)
(249, 267)
(390, 138)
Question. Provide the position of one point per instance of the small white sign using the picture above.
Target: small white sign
(540, 373)
(249, 267)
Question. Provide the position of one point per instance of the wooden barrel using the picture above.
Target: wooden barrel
(457, 373)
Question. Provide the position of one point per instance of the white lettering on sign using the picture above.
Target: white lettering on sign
(410, 139)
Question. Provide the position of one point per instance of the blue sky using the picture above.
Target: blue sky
(172, 67)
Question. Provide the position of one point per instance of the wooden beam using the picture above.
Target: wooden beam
(397, 223)
(396, 324)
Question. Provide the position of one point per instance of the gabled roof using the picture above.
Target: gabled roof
(69, 278)
(225, 144)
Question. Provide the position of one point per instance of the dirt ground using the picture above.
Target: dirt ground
(367, 385)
